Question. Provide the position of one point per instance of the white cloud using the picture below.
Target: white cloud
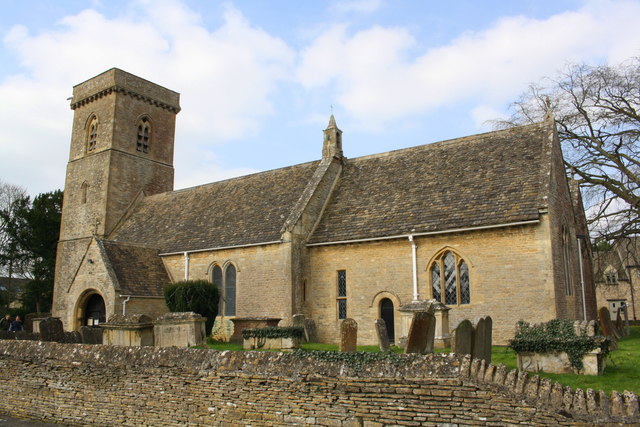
(377, 79)
(226, 78)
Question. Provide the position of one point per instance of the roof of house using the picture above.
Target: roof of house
(245, 210)
(487, 179)
(139, 270)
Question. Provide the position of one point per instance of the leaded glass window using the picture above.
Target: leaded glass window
(226, 284)
(450, 279)
(342, 294)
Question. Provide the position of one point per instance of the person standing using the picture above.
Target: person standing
(16, 325)
(5, 323)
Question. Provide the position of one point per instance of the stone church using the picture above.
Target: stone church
(486, 224)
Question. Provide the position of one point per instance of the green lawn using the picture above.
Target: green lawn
(622, 371)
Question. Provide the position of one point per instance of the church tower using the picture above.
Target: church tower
(332, 146)
(121, 148)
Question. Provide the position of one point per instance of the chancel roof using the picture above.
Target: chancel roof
(139, 270)
(487, 179)
(245, 210)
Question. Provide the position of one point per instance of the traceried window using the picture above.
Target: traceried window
(450, 279)
(143, 135)
(226, 283)
(342, 294)
(92, 133)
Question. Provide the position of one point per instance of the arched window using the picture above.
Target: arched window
(92, 133)
(226, 283)
(450, 279)
(143, 135)
(83, 192)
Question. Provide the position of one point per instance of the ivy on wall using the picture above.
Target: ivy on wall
(556, 336)
(274, 332)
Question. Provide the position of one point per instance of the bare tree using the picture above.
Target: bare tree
(597, 111)
(10, 195)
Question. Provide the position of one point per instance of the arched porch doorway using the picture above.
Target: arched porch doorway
(387, 314)
(91, 310)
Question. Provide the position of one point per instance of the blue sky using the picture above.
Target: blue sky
(258, 78)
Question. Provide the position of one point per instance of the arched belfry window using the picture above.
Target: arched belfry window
(143, 139)
(92, 133)
(225, 281)
(450, 279)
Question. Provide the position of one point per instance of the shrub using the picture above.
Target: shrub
(556, 335)
(199, 296)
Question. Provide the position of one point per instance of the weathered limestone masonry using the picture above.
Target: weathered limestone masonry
(146, 386)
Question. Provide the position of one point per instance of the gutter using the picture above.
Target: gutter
(428, 233)
(223, 247)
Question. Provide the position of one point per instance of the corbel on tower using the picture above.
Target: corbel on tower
(332, 145)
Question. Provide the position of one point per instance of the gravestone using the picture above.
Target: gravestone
(591, 328)
(462, 339)
(627, 328)
(348, 335)
(51, 329)
(310, 331)
(91, 335)
(619, 327)
(421, 333)
(482, 336)
(297, 320)
(607, 326)
(576, 328)
(72, 337)
(383, 336)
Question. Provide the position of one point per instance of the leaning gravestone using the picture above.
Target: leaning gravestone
(421, 333)
(91, 335)
(383, 336)
(462, 339)
(310, 331)
(607, 326)
(348, 335)
(51, 330)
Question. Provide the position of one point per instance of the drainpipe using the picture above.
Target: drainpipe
(124, 303)
(579, 237)
(416, 296)
(186, 266)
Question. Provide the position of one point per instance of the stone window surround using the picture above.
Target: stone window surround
(143, 134)
(341, 294)
(222, 286)
(91, 130)
(438, 259)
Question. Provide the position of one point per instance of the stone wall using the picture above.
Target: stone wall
(146, 386)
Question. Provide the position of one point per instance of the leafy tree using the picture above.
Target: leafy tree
(38, 296)
(597, 111)
(33, 229)
(199, 296)
(11, 196)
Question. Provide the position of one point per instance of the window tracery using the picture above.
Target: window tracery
(450, 283)
(143, 138)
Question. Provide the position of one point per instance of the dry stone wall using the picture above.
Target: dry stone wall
(79, 384)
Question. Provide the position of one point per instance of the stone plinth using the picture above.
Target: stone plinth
(442, 337)
(128, 330)
(36, 324)
(558, 363)
(242, 323)
(179, 330)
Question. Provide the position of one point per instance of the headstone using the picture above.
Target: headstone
(591, 328)
(607, 326)
(72, 337)
(462, 339)
(348, 335)
(627, 328)
(421, 333)
(91, 335)
(297, 320)
(619, 326)
(383, 336)
(51, 329)
(310, 331)
(576, 328)
(482, 336)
